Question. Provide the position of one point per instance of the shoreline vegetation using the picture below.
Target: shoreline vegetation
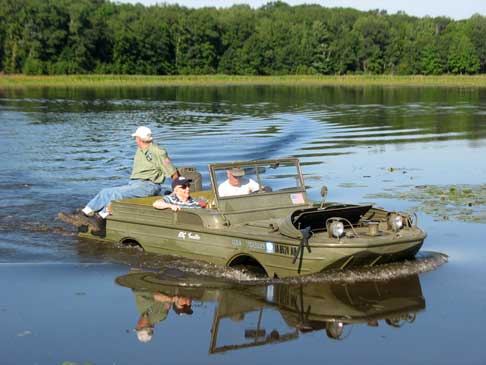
(109, 81)
(106, 37)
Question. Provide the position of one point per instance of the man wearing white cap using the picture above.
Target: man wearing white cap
(151, 166)
(154, 308)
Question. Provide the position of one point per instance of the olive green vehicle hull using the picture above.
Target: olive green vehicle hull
(276, 229)
(201, 234)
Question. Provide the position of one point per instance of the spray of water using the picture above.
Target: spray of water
(424, 262)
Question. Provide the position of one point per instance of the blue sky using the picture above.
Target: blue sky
(457, 9)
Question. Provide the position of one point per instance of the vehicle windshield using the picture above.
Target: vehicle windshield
(257, 177)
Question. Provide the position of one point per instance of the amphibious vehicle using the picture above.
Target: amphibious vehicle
(275, 230)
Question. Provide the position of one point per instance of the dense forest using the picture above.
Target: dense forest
(103, 37)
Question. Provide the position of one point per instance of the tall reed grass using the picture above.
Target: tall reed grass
(87, 81)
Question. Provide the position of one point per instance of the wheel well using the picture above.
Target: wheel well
(130, 242)
(248, 263)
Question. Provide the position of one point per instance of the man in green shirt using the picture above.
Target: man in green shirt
(154, 308)
(151, 162)
(151, 166)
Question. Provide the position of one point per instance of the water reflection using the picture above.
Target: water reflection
(154, 308)
(255, 315)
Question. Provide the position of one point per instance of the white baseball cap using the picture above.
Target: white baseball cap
(145, 334)
(144, 133)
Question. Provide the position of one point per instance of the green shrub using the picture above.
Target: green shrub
(33, 66)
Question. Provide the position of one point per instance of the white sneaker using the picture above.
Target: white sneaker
(88, 211)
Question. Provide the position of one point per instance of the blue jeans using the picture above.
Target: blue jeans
(134, 189)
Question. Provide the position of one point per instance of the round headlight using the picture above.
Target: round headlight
(337, 229)
(335, 330)
(395, 221)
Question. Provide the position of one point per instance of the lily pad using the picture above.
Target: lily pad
(352, 185)
(465, 203)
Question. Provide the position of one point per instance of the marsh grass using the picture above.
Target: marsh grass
(86, 81)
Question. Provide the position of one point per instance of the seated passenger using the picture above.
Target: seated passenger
(180, 197)
(236, 184)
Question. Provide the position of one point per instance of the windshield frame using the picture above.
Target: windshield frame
(258, 165)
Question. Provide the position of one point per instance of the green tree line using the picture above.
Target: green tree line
(98, 36)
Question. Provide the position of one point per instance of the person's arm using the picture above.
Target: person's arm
(162, 204)
(159, 297)
(165, 163)
(253, 185)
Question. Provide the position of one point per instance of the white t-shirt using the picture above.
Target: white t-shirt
(247, 186)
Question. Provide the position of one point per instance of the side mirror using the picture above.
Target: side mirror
(324, 195)
(324, 192)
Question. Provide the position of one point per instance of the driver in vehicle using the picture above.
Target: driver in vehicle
(237, 184)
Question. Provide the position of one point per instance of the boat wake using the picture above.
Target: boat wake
(424, 262)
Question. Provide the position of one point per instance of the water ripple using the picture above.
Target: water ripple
(60, 147)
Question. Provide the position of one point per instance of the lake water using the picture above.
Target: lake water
(69, 301)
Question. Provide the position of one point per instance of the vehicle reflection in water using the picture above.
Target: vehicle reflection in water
(291, 309)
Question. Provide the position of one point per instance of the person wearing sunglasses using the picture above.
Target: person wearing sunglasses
(180, 196)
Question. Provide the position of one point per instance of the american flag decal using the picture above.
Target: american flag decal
(297, 198)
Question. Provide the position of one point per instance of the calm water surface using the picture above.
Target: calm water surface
(65, 300)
